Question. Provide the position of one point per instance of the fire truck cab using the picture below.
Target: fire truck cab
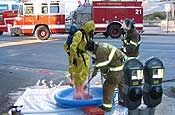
(7, 14)
(40, 18)
(108, 15)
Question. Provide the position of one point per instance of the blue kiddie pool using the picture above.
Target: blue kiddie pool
(64, 98)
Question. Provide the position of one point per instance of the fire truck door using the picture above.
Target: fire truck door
(57, 17)
(42, 16)
(29, 19)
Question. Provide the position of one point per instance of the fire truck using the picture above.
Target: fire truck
(40, 18)
(8, 10)
(109, 15)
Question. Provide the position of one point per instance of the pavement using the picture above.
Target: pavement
(166, 107)
(147, 31)
(156, 31)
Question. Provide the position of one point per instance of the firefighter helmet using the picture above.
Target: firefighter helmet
(128, 24)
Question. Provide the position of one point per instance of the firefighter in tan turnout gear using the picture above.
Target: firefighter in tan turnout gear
(109, 60)
(80, 59)
(131, 40)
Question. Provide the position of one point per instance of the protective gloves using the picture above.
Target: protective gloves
(91, 34)
(68, 53)
(75, 61)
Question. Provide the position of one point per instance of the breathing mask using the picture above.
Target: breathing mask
(91, 34)
(90, 48)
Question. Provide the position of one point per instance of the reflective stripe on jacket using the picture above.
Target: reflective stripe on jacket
(131, 43)
(107, 105)
(133, 58)
(109, 58)
(119, 68)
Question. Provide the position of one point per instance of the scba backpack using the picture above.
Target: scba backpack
(73, 29)
(69, 40)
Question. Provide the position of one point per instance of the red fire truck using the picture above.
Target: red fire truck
(7, 17)
(48, 16)
(7, 20)
(40, 18)
(109, 14)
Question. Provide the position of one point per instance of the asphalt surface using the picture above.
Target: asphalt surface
(40, 69)
(156, 30)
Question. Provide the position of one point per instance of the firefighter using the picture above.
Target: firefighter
(72, 30)
(110, 60)
(80, 59)
(131, 40)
